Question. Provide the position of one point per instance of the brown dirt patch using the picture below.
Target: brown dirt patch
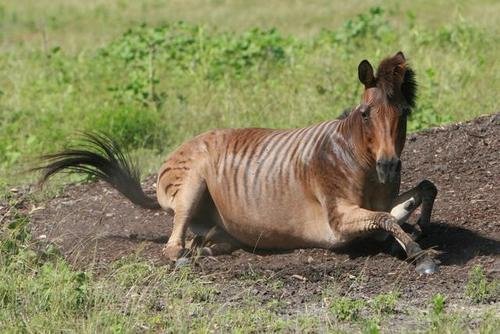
(93, 224)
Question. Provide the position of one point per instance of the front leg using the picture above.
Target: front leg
(424, 193)
(356, 221)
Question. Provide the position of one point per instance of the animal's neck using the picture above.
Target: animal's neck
(336, 166)
(350, 129)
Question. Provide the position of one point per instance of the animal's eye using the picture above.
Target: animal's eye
(365, 113)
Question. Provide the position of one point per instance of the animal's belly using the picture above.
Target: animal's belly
(278, 224)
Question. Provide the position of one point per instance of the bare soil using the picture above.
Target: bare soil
(93, 225)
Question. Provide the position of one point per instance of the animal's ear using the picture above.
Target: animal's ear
(365, 74)
(401, 56)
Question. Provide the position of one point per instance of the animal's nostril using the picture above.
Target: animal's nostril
(386, 163)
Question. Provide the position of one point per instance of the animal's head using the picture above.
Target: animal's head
(387, 100)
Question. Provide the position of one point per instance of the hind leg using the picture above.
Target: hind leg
(217, 249)
(218, 242)
(185, 205)
(210, 238)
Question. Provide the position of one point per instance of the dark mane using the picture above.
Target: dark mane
(409, 87)
(394, 72)
(394, 78)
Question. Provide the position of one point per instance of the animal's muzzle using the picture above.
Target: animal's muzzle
(388, 169)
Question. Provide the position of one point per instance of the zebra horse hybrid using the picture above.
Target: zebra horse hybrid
(314, 187)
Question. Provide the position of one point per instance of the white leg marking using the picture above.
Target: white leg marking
(402, 211)
(402, 244)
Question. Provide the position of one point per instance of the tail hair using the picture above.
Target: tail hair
(100, 156)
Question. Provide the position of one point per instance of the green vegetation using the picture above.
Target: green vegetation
(437, 304)
(346, 309)
(479, 289)
(440, 321)
(369, 313)
(41, 292)
(153, 74)
(385, 303)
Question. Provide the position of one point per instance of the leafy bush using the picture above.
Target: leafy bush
(255, 48)
(188, 49)
(134, 127)
(355, 33)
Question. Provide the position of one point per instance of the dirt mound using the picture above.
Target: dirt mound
(92, 223)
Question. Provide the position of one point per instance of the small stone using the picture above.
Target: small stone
(181, 262)
(299, 277)
(495, 119)
(439, 168)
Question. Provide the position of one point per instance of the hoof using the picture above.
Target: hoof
(173, 252)
(423, 222)
(410, 204)
(416, 232)
(222, 248)
(426, 266)
(204, 251)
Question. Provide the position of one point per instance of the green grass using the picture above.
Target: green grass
(41, 292)
(346, 309)
(131, 69)
(480, 289)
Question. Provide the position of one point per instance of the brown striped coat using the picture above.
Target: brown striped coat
(318, 186)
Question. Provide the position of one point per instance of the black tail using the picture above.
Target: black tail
(102, 157)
